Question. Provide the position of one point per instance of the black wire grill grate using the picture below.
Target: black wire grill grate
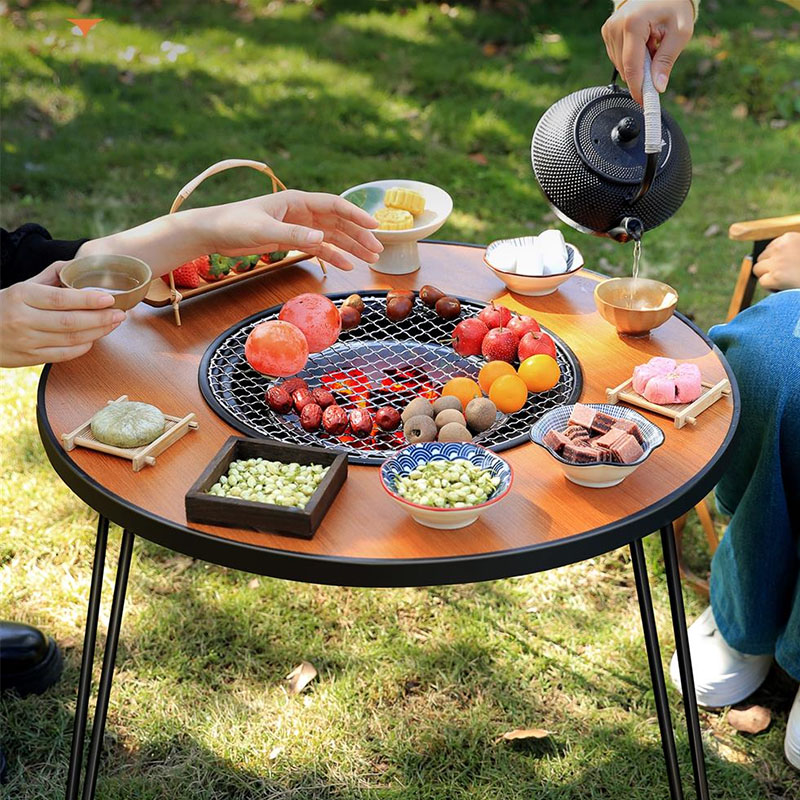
(376, 364)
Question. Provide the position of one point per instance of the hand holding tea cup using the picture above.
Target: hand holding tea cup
(44, 322)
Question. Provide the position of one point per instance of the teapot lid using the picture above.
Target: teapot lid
(608, 133)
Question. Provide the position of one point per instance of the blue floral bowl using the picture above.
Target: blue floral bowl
(597, 476)
(415, 456)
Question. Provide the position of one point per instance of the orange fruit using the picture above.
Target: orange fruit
(465, 389)
(491, 371)
(509, 393)
(540, 372)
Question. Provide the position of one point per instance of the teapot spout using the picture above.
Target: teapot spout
(628, 228)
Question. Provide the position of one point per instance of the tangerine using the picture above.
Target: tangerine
(491, 371)
(509, 393)
(465, 389)
(540, 372)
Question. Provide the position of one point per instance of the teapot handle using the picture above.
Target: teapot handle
(652, 127)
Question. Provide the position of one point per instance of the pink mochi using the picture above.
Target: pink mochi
(653, 368)
(664, 381)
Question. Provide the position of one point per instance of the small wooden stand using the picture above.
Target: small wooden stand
(142, 456)
(681, 413)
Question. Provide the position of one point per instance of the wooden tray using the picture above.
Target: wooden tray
(145, 455)
(237, 513)
(159, 294)
(681, 413)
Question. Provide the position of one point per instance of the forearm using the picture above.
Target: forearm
(164, 243)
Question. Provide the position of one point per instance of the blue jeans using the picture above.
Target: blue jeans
(755, 581)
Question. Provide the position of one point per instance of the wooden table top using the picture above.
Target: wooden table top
(366, 539)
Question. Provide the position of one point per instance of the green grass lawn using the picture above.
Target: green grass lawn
(415, 686)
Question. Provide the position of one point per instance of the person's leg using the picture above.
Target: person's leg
(754, 573)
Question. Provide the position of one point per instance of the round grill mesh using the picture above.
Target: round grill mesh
(378, 363)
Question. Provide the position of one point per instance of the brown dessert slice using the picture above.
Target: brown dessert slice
(576, 432)
(556, 440)
(582, 415)
(630, 427)
(601, 423)
(627, 449)
(579, 454)
(609, 439)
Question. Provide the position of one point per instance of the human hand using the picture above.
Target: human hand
(664, 26)
(320, 224)
(778, 266)
(43, 322)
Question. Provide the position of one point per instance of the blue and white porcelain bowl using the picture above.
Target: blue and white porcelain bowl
(417, 455)
(597, 476)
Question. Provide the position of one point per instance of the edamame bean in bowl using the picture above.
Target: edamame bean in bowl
(446, 485)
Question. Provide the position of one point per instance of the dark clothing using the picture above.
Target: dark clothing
(30, 249)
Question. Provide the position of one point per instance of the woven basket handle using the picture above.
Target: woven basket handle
(220, 166)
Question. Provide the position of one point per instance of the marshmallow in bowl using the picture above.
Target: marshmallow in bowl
(504, 257)
(529, 259)
(553, 248)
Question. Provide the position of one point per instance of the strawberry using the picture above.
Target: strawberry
(215, 268)
(244, 263)
(186, 275)
(275, 255)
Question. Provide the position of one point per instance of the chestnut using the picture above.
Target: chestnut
(311, 417)
(351, 317)
(391, 294)
(301, 398)
(430, 295)
(278, 399)
(387, 418)
(360, 422)
(354, 301)
(322, 397)
(334, 420)
(398, 308)
(448, 307)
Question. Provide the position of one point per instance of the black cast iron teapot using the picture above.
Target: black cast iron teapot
(609, 167)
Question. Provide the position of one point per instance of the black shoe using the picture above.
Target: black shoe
(30, 662)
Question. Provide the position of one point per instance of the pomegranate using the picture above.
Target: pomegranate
(535, 342)
(495, 316)
(500, 344)
(316, 316)
(522, 325)
(276, 348)
(468, 336)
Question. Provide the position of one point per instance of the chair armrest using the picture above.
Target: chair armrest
(758, 229)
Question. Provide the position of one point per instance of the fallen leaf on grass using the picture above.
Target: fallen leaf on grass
(300, 677)
(253, 584)
(711, 230)
(275, 752)
(478, 158)
(179, 564)
(739, 111)
(750, 720)
(734, 166)
(524, 733)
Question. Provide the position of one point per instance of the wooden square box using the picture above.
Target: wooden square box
(237, 513)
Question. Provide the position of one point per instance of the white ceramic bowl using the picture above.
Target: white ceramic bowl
(414, 456)
(532, 285)
(401, 254)
(597, 476)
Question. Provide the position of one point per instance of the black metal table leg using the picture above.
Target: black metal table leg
(109, 658)
(87, 660)
(656, 670)
(684, 661)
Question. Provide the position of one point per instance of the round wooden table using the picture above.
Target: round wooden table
(365, 539)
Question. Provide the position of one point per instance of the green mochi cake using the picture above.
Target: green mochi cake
(128, 424)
